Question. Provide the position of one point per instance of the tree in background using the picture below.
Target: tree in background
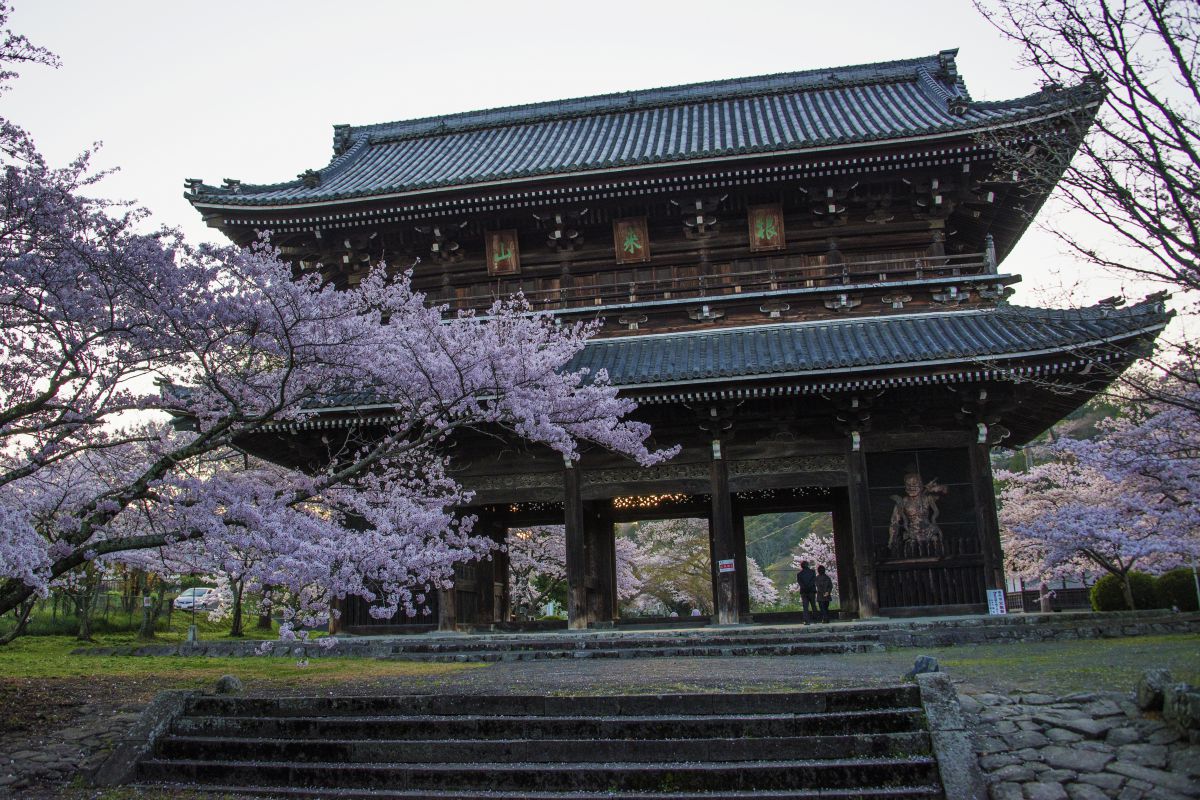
(816, 549)
(1120, 501)
(537, 563)
(674, 569)
(132, 364)
(1137, 171)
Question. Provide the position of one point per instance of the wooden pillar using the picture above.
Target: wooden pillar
(985, 512)
(742, 574)
(860, 525)
(612, 575)
(573, 519)
(843, 550)
(601, 569)
(501, 608)
(447, 609)
(720, 540)
(485, 573)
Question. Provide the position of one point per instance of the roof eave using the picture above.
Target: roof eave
(202, 205)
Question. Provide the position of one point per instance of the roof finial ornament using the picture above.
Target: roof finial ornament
(311, 178)
(341, 139)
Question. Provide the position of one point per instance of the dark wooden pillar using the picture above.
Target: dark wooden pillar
(742, 575)
(573, 519)
(501, 609)
(985, 511)
(485, 570)
(601, 567)
(447, 609)
(720, 539)
(860, 525)
(843, 550)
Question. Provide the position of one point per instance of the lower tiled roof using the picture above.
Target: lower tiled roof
(814, 348)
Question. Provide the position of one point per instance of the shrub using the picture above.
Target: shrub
(1178, 588)
(1108, 595)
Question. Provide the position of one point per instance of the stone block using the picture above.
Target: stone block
(1122, 735)
(1022, 739)
(997, 760)
(1040, 790)
(1105, 780)
(1181, 706)
(1084, 726)
(1156, 777)
(1020, 773)
(1007, 791)
(1062, 736)
(1150, 687)
(1148, 755)
(1072, 758)
(1085, 791)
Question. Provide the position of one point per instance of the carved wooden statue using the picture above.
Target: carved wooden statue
(914, 519)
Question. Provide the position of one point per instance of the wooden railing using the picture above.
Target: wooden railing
(721, 281)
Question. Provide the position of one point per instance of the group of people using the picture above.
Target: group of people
(816, 589)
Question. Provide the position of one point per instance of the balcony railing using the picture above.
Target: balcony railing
(588, 291)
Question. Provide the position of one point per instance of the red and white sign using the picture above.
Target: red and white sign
(725, 565)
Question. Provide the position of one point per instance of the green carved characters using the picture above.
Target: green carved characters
(766, 228)
(631, 240)
(503, 255)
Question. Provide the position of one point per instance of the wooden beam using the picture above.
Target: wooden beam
(447, 609)
(843, 548)
(860, 524)
(985, 512)
(601, 567)
(720, 537)
(741, 574)
(577, 606)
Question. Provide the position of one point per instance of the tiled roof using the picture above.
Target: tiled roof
(812, 348)
(786, 112)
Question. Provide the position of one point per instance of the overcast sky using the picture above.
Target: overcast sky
(251, 89)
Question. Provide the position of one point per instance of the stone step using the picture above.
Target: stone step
(623, 776)
(923, 792)
(711, 650)
(566, 641)
(872, 698)
(460, 751)
(628, 727)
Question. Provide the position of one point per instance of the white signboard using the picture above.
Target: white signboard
(725, 565)
(996, 601)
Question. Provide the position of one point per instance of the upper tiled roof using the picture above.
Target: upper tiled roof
(879, 343)
(774, 113)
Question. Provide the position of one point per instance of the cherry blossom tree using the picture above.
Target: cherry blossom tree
(132, 365)
(816, 549)
(1123, 500)
(538, 572)
(674, 569)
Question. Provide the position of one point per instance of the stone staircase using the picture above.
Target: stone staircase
(745, 641)
(865, 743)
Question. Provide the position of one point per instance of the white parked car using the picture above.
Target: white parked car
(199, 598)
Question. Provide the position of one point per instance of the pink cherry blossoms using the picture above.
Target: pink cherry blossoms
(1122, 501)
(132, 366)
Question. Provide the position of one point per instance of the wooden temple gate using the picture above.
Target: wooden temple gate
(797, 277)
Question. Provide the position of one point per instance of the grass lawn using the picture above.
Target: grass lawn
(1063, 667)
(42, 683)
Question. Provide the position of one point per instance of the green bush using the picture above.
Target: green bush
(1108, 595)
(1178, 588)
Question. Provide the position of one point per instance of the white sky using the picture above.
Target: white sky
(251, 89)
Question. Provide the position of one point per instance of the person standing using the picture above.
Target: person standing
(806, 579)
(824, 587)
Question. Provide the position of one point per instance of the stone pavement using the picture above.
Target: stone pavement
(56, 757)
(1090, 746)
